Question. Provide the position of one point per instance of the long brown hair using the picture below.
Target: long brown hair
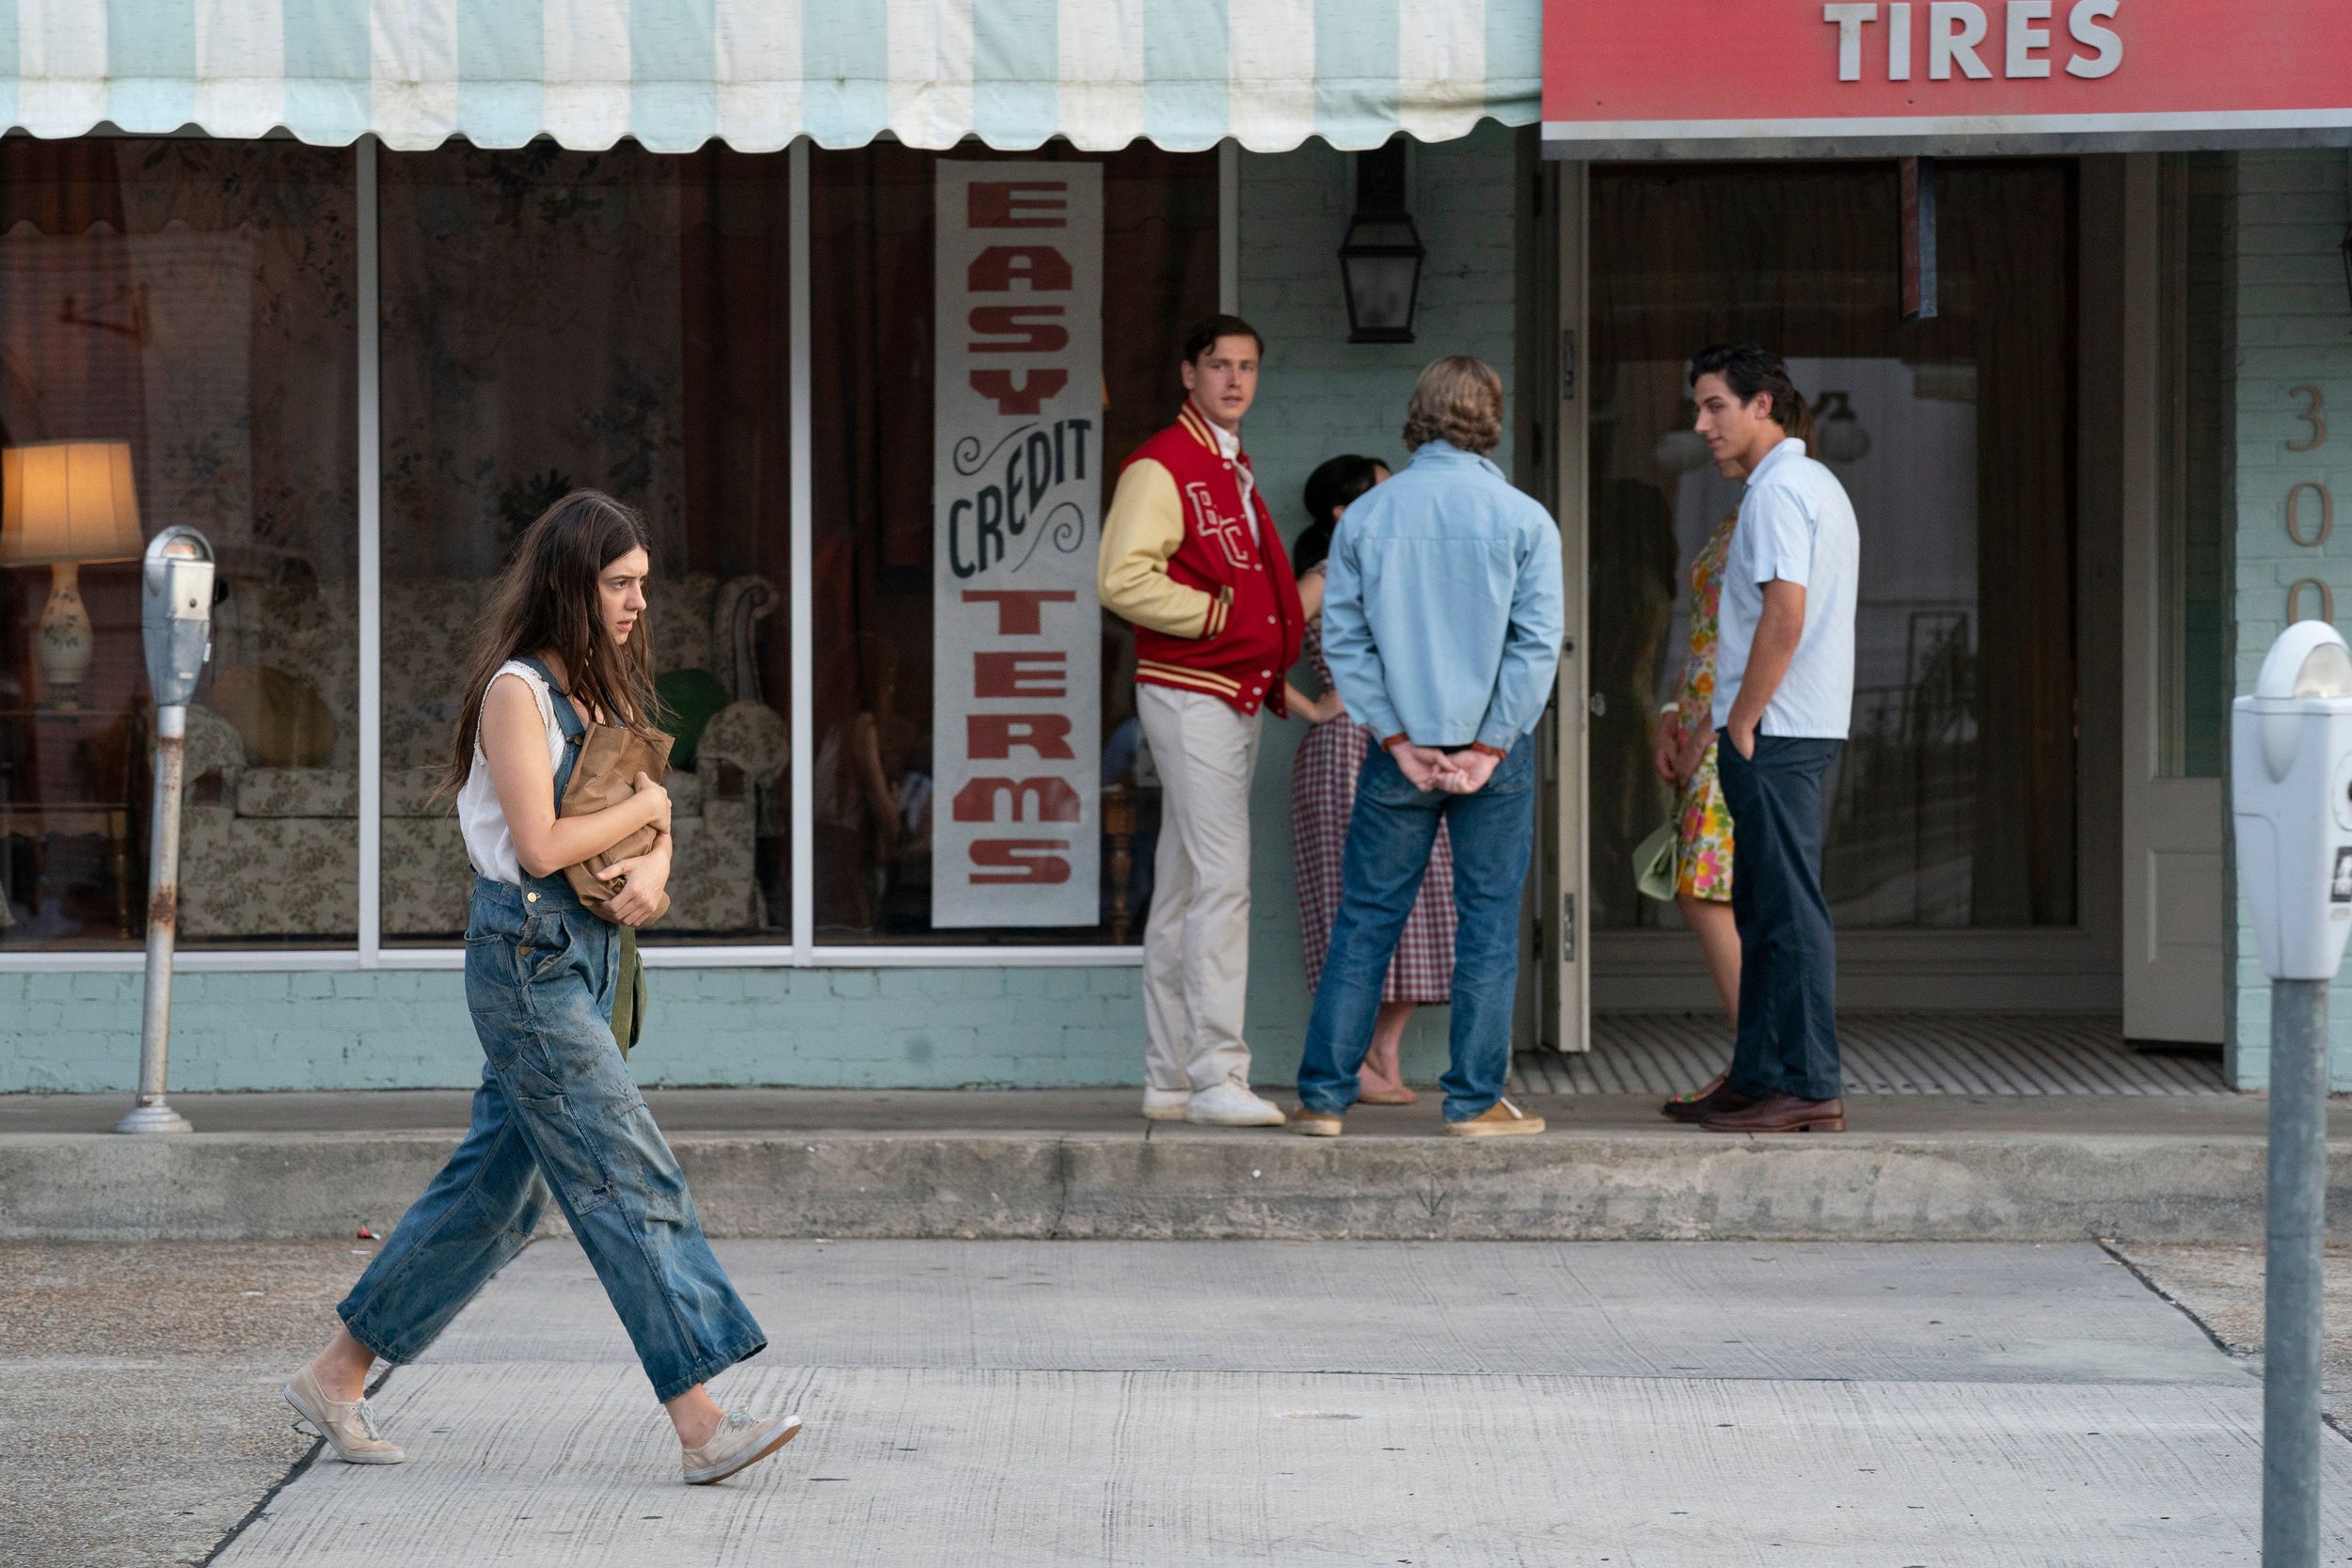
(546, 599)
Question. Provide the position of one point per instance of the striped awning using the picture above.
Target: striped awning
(674, 74)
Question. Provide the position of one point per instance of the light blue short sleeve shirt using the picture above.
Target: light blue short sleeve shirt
(1796, 525)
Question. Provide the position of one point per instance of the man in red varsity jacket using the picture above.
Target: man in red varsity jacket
(1191, 557)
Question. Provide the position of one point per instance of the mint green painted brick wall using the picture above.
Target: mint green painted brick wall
(1320, 396)
(851, 1028)
(916, 1028)
(2292, 327)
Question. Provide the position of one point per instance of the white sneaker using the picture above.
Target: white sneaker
(348, 1428)
(739, 1442)
(1165, 1105)
(1232, 1105)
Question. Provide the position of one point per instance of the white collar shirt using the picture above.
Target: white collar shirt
(1228, 442)
(1796, 525)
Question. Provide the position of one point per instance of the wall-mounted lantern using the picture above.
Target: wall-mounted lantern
(1380, 260)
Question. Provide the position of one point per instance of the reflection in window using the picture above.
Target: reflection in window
(1954, 802)
(178, 344)
(619, 318)
(872, 269)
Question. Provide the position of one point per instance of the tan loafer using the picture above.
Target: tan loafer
(1501, 1119)
(348, 1428)
(742, 1441)
(1317, 1124)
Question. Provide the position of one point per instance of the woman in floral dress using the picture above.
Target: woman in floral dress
(1684, 753)
(1323, 795)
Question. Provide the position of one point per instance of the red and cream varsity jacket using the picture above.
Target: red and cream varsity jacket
(1214, 609)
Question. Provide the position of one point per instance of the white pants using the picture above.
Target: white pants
(1195, 948)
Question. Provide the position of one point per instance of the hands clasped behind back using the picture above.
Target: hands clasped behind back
(1467, 771)
(1426, 768)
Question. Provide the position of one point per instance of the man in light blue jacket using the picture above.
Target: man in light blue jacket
(1442, 623)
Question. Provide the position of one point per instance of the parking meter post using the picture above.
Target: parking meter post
(2291, 794)
(2291, 1264)
(176, 614)
(151, 1113)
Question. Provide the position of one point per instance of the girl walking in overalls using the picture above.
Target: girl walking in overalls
(563, 641)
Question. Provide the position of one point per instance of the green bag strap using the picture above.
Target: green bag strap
(628, 994)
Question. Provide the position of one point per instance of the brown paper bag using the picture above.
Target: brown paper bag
(604, 776)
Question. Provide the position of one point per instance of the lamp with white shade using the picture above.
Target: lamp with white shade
(65, 505)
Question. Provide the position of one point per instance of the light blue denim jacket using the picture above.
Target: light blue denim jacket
(1441, 605)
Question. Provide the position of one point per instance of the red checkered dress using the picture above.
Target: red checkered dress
(1323, 793)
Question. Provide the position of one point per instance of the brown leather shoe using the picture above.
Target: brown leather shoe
(1782, 1113)
(1719, 1100)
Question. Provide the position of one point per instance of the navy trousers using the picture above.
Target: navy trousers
(1787, 952)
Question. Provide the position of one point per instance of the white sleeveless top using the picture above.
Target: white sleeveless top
(488, 844)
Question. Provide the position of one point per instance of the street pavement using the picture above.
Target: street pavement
(1651, 1405)
(139, 1418)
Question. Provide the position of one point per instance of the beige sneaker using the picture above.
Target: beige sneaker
(742, 1441)
(1166, 1104)
(1317, 1124)
(1501, 1119)
(349, 1429)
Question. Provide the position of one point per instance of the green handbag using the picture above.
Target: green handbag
(1654, 863)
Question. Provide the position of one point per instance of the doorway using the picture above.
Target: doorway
(1974, 849)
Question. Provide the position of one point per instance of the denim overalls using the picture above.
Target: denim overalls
(556, 1101)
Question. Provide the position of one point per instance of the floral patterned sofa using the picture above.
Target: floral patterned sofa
(274, 851)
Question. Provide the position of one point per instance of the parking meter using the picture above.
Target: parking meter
(2291, 751)
(176, 615)
(2291, 785)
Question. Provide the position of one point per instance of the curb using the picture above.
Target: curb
(283, 1186)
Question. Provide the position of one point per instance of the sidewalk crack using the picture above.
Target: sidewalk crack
(301, 1468)
(1063, 1158)
(2234, 1352)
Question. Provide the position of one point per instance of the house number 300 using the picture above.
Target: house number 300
(2310, 533)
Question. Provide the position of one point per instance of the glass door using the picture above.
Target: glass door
(1955, 805)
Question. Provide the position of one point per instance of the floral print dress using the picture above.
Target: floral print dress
(1703, 822)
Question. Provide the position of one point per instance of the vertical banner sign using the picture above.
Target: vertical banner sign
(1016, 494)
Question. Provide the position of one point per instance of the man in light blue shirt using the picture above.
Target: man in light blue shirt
(1442, 623)
(1783, 698)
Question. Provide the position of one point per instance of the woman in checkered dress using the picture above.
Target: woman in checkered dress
(1323, 794)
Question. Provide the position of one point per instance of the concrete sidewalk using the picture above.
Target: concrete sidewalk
(1675, 1406)
(775, 1163)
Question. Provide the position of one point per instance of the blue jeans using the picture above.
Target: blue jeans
(1388, 837)
(556, 1110)
(1787, 1041)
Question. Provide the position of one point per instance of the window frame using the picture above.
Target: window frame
(803, 950)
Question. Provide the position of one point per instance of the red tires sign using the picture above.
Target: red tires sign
(1760, 77)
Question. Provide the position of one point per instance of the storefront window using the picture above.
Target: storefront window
(177, 345)
(1954, 802)
(1101, 263)
(617, 320)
